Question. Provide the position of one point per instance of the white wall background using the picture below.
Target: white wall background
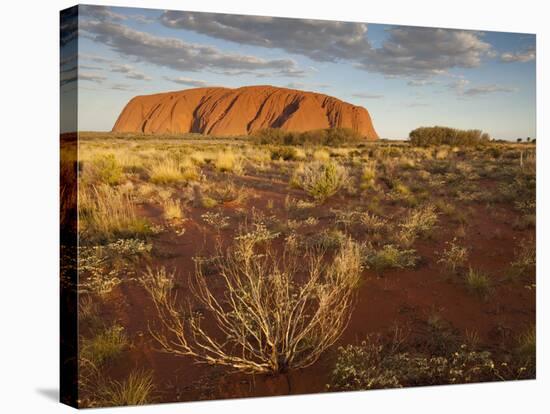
(28, 205)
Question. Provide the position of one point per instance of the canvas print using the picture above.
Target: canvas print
(264, 206)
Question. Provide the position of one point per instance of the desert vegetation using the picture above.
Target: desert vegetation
(438, 135)
(301, 262)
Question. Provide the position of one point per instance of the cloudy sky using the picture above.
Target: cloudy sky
(405, 76)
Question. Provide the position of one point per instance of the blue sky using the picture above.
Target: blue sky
(405, 76)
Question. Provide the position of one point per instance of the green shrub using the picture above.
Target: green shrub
(390, 257)
(439, 135)
(328, 239)
(321, 180)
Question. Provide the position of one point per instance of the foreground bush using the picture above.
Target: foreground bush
(329, 136)
(271, 319)
(321, 180)
(438, 135)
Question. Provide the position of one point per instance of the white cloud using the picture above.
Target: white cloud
(92, 77)
(187, 81)
(461, 87)
(420, 82)
(99, 12)
(94, 58)
(421, 52)
(141, 19)
(365, 95)
(129, 71)
(526, 55)
(300, 85)
(415, 52)
(417, 105)
(488, 89)
(323, 41)
(122, 87)
(176, 54)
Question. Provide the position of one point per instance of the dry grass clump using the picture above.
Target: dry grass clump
(478, 283)
(96, 389)
(368, 176)
(454, 256)
(272, 320)
(418, 223)
(527, 345)
(321, 180)
(228, 161)
(106, 213)
(105, 346)
(105, 168)
(321, 155)
(173, 210)
(136, 389)
(170, 171)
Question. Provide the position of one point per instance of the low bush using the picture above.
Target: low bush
(284, 153)
(103, 266)
(390, 257)
(420, 222)
(371, 365)
(321, 180)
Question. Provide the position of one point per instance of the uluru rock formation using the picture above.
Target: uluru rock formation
(224, 111)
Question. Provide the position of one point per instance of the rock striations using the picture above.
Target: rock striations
(224, 111)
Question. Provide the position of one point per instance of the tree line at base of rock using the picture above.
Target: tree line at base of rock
(328, 136)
